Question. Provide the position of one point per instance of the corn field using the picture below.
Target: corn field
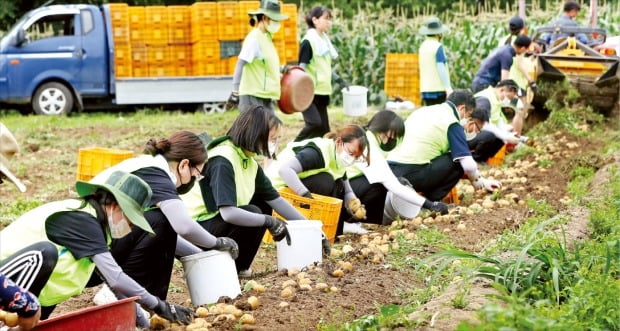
(363, 40)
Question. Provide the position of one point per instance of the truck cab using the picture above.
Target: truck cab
(53, 57)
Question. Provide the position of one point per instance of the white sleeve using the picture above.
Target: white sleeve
(250, 50)
(469, 166)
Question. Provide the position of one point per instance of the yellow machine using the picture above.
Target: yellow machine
(591, 69)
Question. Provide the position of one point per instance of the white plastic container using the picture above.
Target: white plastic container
(354, 100)
(396, 206)
(210, 275)
(305, 246)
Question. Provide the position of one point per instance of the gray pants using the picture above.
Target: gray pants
(248, 101)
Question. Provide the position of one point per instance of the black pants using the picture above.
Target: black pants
(433, 180)
(146, 258)
(247, 237)
(316, 119)
(440, 99)
(31, 267)
(484, 146)
(372, 197)
(324, 184)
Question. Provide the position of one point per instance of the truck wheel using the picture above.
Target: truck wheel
(52, 99)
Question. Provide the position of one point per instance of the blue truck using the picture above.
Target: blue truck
(57, 59)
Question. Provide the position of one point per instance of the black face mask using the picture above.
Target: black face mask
(184, 188)
(389, 145)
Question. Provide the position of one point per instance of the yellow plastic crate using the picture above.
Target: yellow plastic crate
(207, 67)
(92, 161)
(498, 158)
(157, 25)
(228, 21)
(401, 76)
(452, 197)
(205, 50)
(244, 19)
(321, 208)
(203, 21)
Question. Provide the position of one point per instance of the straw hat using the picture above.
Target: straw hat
(433, 27)
(131, 193)
(8, 148)
(271, 9)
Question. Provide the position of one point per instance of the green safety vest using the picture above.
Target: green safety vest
(328, 151)
(261, 77)
(426, 135)
(496, 117)
(429, 76)
(320, 69)
(373, 145)
(245, 169)
(515, 74)
(69, 276)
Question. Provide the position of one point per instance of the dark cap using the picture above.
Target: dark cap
(482, 110)
(508, 83)
(516, 23)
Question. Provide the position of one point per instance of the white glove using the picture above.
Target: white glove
(511, 138)
(487, 184)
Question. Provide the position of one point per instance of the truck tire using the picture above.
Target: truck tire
(52, 99)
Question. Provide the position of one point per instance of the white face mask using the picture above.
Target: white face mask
(271, 146)
(118, 229)
(345, 159)
(273, 27)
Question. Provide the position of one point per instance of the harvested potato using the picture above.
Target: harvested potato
(354, 204)
(247, 319)
(157, 322)
(2, 315)
(11, 319)
(254, 302)
(461, 227)
(360, 213)
(293, 272)
(338, 273)
(289, 283)
(322, 287)
(333, 289)
(229, 309)
(347, 249)
(304, 281)
(202, 312)
(305, 287)
(346, 266)
(287, 292)
(283, 304)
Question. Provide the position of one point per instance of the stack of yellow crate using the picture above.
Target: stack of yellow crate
(205, 47)
(157, 49)
(402, 76)
(119, 14)
(179, 38)
(138, 31)
(289, 27)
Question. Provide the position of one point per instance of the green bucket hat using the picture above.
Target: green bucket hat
(271, 9)
(433, 27)
(131, 192)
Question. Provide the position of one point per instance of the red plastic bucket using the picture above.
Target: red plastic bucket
(297, 91)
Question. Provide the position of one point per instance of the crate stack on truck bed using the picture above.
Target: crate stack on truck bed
(203, 39)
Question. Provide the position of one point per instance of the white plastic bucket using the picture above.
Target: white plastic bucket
(210, 275)
(396, 206)
(305, 246)
(354, 100)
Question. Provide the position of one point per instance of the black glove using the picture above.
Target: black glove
(307, 195)
(437, 206)
(326, 246)
(285, 69)
(277, 229)
(233, 101)
(533, 86)
(343, 83)
(227, 244)
(173, 313)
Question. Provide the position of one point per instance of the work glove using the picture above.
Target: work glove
(173, 313)
(356, 209)
(277, 228)
(227, 244)
(307, 195)
(437, 206)
(325, 245)
(233, 101)
(533, 86)
(487, 184)
(285, 68)
(343, 83)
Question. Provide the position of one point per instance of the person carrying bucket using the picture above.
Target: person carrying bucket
(170, 167)
(81, 230)
(319, 165)
(433, 64)
(256, 79)
(236, 199)
(434, 153)
(371, 183)
(316, 54)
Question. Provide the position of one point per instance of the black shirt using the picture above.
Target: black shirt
(310, 157)
(305, 52)
(162, 186)
(78, 231)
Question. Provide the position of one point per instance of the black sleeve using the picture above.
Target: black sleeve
(162, 186)
(310, 157)
(78, 231)
(305, 52)
(218, 187)
(264, 190)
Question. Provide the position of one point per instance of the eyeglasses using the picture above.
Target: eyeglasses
(357, 159)
(199, 175)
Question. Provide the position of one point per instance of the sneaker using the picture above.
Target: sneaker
(247, 273)
(355, 228)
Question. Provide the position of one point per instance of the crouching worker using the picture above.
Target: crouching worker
(372, 182)
(82, 229)
(319, 165)
(235, 199)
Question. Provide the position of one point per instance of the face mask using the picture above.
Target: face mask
(505, 102)
(389, 145)
(271, 146)
(118, 229)
(273, 27)
(184, 188)
(345, 159)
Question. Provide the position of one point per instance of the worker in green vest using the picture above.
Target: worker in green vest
(171, 167)
(434, 153)
(316, 54)
(82, 231)
(236, 199)
(500, 96)
(256, 80)
(319, 165)
(371, 182)
(433, 64)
